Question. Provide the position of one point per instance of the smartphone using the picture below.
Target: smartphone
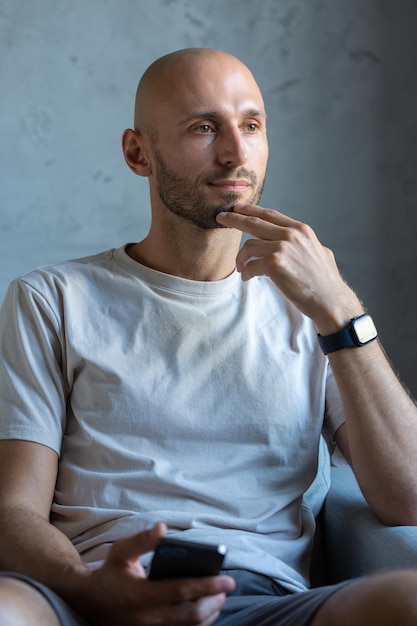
(177, 558)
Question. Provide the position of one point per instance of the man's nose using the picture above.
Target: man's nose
(232, 148)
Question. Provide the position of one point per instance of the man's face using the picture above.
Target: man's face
(187, 198)
(210, 148)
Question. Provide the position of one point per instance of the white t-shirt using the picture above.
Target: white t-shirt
(200, 404)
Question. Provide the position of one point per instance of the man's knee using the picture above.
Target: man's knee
(22, 604)
(386, 599)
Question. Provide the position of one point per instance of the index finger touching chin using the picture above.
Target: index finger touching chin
(269, 215)
(252, 224)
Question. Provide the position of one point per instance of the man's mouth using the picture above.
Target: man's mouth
(231, 185)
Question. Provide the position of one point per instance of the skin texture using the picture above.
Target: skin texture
(199, 137)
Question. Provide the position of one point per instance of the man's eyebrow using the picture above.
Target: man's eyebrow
(198, 115)
(216, 115)
(256, 113)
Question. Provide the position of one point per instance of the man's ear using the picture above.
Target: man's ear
(133, 150)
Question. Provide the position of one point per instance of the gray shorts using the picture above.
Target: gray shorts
(256, 601)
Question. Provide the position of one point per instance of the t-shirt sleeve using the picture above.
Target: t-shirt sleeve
(32, 389)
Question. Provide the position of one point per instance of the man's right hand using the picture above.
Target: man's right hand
(119, 593)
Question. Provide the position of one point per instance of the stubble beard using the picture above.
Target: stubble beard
(187, 200)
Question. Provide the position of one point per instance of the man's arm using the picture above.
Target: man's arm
(27, 480)
(380, 434)
(379, 437)
(117, 592)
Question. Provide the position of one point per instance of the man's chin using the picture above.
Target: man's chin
(222, 209)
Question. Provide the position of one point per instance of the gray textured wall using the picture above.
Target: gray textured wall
(340, 83)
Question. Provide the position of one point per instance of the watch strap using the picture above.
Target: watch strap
(337, 341)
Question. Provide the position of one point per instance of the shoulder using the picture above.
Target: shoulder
(66, 277)
(64, 271)
(52, 287)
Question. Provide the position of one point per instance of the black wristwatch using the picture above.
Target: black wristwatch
(360, 331)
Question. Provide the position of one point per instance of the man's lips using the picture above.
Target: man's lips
(230, 184)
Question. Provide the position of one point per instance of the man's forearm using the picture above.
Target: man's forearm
(381, 427)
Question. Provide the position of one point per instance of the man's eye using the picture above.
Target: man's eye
(205, 128)
(252, 127)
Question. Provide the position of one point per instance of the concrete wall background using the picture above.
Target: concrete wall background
(340, 84)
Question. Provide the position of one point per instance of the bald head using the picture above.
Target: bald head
(182, 70)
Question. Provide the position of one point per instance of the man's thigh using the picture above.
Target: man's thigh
(64, 613)
(258, 601)
(385, 599)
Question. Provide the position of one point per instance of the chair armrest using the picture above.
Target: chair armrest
(356, 542)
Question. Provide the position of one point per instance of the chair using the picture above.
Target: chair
(353, 540)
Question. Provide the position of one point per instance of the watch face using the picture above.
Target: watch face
(364, 329)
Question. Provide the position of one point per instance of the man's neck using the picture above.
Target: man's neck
(206, 255)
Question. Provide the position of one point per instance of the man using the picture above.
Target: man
(180, 380)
